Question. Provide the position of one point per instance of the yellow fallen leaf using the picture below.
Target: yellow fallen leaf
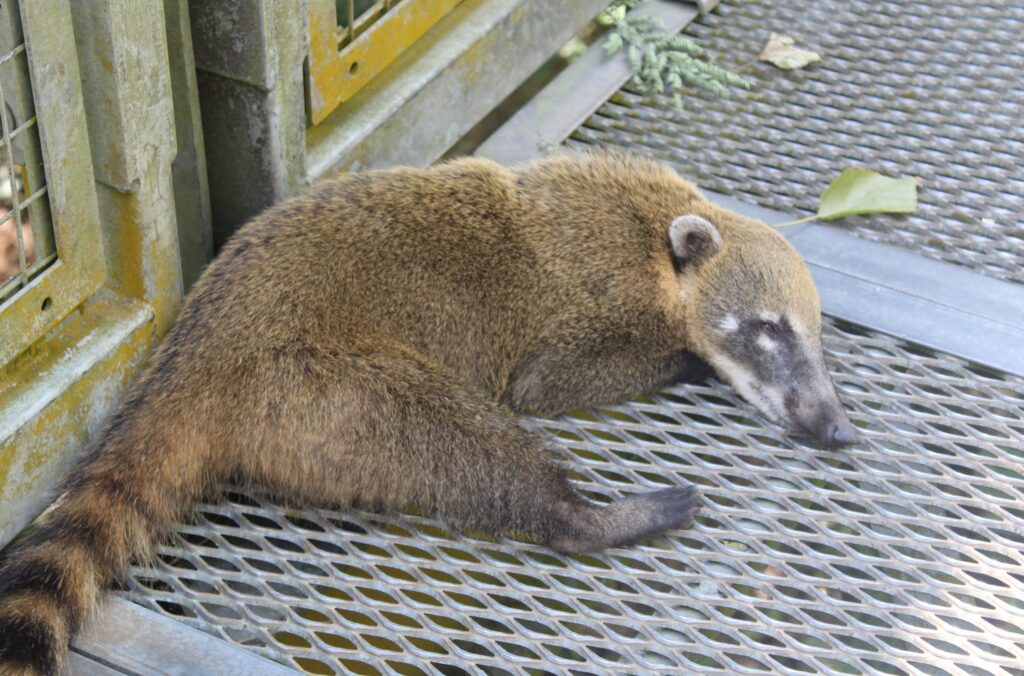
(781, 51)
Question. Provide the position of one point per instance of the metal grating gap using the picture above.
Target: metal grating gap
(922, 88)
(902, 556)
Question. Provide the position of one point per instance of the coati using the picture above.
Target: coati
(367, 343)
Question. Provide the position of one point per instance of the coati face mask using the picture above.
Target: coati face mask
(753, 313)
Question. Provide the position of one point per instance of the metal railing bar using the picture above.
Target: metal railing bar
(351, 21)
(22, 127)
(32, 198)
(12, 53)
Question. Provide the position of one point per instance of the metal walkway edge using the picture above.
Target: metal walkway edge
(123, 638)
(879, 286)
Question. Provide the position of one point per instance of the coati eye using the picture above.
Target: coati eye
(770, 328)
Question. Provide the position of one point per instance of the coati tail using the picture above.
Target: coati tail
(119, 500)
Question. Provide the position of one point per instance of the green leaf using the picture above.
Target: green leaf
(862, 191)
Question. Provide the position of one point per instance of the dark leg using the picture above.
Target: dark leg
(390, 429)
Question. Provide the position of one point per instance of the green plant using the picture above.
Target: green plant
(662, 61)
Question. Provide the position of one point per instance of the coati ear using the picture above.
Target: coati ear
(694, 240)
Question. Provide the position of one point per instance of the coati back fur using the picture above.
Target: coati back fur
(366, 343)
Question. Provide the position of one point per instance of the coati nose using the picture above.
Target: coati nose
(841, 434)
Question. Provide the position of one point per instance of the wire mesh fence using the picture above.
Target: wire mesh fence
(26, 234)
(355, 16)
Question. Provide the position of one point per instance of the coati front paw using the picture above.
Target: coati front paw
(650, 514)
(671, 508)
(629, 520)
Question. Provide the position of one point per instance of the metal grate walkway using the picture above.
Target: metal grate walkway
(903, 555)
(924, 88)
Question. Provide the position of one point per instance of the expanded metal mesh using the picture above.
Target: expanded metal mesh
(900, 556)
(925, 88)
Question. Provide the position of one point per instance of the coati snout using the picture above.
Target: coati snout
(410, 313)
(755, 317)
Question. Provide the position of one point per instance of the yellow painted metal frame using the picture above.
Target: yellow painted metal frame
(80, 267)
(338, 68)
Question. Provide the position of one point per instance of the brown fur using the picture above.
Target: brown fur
(364, 344)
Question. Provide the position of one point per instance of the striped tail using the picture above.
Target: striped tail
(120, 500)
